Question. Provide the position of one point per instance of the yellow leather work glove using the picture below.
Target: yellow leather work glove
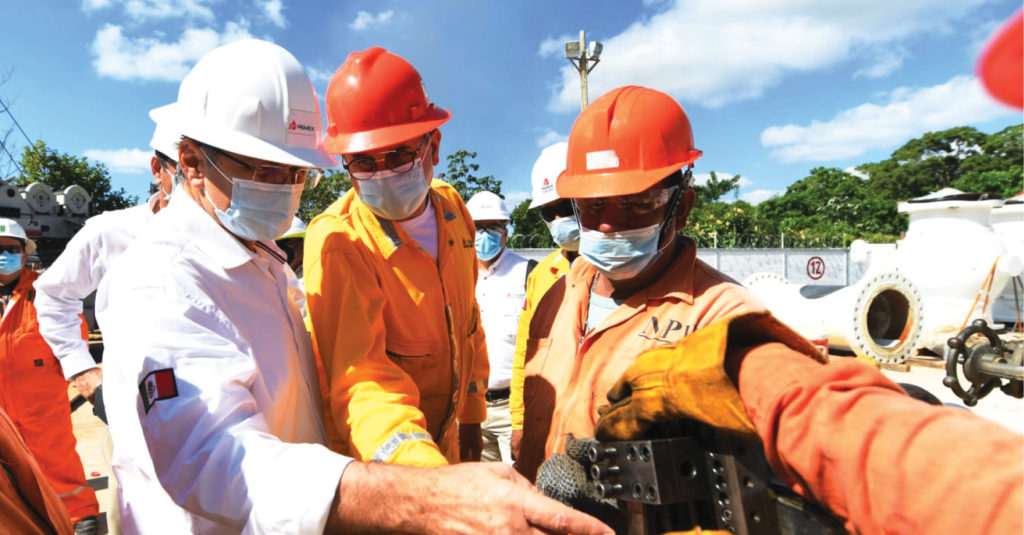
(688, 379)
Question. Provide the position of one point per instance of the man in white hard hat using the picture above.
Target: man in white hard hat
(557, 213)
(212, 389)
(500, 291)
(77, 272)
(33, 391)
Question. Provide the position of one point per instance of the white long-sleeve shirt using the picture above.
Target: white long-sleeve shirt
(211, 387)
(501, 292)
(75, 274)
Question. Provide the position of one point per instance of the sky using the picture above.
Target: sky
(773, 88)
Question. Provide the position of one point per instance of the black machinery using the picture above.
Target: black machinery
(987, 364)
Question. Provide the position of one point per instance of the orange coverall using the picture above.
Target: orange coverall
(845, 436)
(551, 268)
(28, 504)
(568, 374)
(397, 333)
(34, 394)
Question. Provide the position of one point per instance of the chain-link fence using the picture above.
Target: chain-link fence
(794, 240)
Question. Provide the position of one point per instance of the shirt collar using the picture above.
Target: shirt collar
(388, 235)
(207, 234)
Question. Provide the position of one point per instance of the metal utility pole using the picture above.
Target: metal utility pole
(584, 60)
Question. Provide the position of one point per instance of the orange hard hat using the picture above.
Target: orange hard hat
(1001, 65)
(376, 100)
(625, 142)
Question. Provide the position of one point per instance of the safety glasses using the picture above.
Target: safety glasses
(399, 160)
(634, 207)
(271, 174)
(552, 211)
(496, 227)
(12, 249)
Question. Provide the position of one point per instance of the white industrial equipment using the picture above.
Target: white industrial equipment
(1008, 222)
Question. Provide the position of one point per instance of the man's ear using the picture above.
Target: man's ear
(190, 160)
(155, 168)
(435, 146)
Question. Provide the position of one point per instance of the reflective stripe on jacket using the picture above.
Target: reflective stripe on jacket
(551, 268)
(398, 334)
(568, 375)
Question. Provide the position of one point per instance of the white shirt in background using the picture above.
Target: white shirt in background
(501, 292)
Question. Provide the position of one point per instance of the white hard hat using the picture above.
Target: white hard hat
(297, 230)
(12, 229)
(165, 142)
(549, 165)
(252, 98)
(486, 206)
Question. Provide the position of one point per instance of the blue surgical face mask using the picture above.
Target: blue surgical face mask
(10, 263)
(258, 211)
(620, 255)
(566, 233)
(395, 196)
(488, 244)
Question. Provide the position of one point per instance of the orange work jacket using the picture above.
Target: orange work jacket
(568, 373)
(397, 333)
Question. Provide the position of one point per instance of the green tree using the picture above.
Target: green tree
(460, 175)
(529, 229)
(714, 189)
(332, 187)
(58, 170)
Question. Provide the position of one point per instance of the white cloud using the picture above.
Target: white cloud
(550, 137)
(759, 195)
(366, 20)
(151, 59)
(887, 62)
(272, 10)
(513, 198)
(143, 10)
(701, 179)
(857, 173)
(94, 5)
(713, 52)
(132, 161)
(319, 75)
(906, 114)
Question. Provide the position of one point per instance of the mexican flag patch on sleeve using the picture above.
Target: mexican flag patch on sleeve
(159, 384)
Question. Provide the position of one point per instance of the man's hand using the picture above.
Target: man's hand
(463, 498)
(516, 443)
(471, 442)
(87, 381)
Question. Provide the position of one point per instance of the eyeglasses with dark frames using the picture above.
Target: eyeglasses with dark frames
(399, 160)
(273, 174)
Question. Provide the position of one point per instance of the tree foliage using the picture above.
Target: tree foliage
(460, 175)
(59, 170)
(715, 188)
(332, 187)
(529, 229)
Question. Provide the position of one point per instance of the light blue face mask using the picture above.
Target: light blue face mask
(392, 195)
(620, 255)
(488, 244)
(10, 263)
(566, 233)
(258, 211)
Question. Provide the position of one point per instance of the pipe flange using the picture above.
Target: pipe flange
(898, 349)
(763, 277)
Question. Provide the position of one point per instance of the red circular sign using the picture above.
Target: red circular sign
(815, 267)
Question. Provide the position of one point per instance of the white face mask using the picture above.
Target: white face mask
(392, 195)
(620, 255)
(258, 211)
(566, 233)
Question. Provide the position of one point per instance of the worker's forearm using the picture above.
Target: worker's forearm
(365, 487)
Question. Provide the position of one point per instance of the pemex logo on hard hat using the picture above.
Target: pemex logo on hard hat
(300, 127)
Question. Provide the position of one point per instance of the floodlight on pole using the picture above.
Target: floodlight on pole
(584, 60)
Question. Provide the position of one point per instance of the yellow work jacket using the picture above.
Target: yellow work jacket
(568, 372)
(553, 267)
(397, 333)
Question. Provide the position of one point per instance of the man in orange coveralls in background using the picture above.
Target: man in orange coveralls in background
(390, 272)
(33, 391)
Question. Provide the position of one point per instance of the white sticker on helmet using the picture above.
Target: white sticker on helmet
(301, 129)
(602, 159)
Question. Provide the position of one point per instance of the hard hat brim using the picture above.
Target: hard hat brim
(388, 136)
(1000, 66)
(173, 117)
(616, 183)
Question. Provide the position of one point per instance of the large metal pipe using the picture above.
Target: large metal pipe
(879, 316)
